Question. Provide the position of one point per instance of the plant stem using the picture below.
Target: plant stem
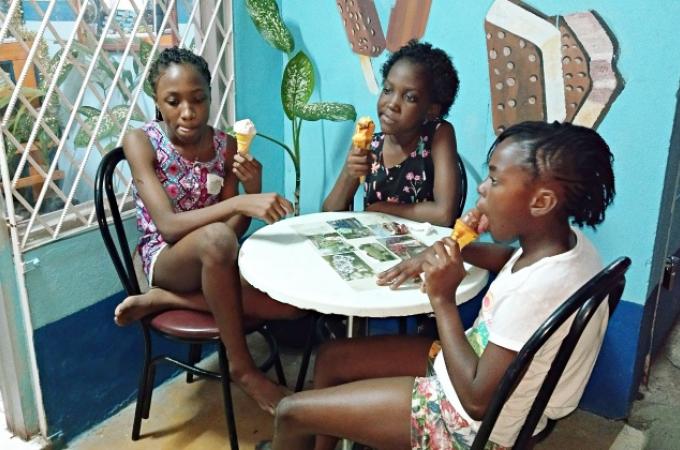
(284, 146)
(295, 158)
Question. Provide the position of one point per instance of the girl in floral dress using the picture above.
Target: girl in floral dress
(412, 169)
(190, 216)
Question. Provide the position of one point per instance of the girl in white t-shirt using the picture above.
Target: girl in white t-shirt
(402, 392)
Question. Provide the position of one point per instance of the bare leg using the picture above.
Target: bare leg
(373, 412)
(156, 299)
(259, 305)
(205, 260)
(347, 360)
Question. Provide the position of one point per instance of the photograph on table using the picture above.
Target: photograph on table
(330, 243)
(387, 229)
(377, 252)
(349, 266)
(404, 247)
(350, 228)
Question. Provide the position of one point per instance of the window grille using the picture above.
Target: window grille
(72, 82)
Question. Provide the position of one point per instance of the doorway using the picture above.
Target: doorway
(663, 304)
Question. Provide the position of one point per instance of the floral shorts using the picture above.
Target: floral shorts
(435, 423)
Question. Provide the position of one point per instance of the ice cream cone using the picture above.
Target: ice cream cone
(363, 135)
(243, 143)
(463, 233)
(245, 132)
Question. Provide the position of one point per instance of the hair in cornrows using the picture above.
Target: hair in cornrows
(577, 157)
(176, 55)
(443, 78)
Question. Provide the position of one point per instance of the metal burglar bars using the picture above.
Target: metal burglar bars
(72, 80)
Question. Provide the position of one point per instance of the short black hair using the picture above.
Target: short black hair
(575, 156)
(443, 76)
(176, 55)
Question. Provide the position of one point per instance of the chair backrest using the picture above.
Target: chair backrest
(120, 254)
(609, 283)
(463, 185)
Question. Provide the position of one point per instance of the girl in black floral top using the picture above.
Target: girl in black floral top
(411, 170)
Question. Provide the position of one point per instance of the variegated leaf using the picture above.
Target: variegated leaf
(336, 112)
(267, 19)
(297, 83)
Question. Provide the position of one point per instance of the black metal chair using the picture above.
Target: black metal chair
(609, 283)
(463, 187)
(188, 327)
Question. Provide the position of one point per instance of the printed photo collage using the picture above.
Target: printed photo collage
(358, 251)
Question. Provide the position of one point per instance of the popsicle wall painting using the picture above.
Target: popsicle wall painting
(364, 33)
(408, 20)
(548, 68)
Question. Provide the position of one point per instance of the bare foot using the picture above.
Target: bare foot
(264, 391)
(135, 307)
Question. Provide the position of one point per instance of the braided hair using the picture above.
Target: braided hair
(176, 55)
(577, 157)
(443, 78)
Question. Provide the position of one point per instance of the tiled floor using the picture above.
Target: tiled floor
(192, 417)
(189, 416)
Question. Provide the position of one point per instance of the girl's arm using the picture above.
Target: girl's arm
(174, 226)
(441, 211)
(246, 171)
(358, 164)
(474, 378)
(491, 257)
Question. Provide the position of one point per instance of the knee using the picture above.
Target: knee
(328, 366)
(219, 244)
(290, 413)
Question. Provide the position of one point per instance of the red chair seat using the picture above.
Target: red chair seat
(186, 324)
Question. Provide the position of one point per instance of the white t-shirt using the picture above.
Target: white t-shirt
(515, 305)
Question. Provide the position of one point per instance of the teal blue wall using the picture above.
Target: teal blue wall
(258, 69)
(70, 275)
(638, 126)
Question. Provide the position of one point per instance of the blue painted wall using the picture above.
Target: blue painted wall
(73, 290)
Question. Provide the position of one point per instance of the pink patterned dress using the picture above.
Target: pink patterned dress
(184, 181)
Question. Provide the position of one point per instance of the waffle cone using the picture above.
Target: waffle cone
(243, 141)
(463, 234)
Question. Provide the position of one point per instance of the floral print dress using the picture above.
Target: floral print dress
(185, 182)
(411, 181)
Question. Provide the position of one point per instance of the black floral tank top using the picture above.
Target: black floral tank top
(411, 181)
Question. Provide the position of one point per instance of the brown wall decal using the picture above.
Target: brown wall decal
(408, 20)
(542, 71)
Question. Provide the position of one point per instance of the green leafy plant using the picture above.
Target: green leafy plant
(297, 83)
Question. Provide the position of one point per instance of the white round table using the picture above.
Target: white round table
(287, 266)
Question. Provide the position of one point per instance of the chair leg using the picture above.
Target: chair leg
(403, 325)
(307, 354)
(141, 401)
(279, 371)
(142, 389)
(151, 376)
(194, 357)
(226, 393)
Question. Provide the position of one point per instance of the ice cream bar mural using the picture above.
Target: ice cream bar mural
(540, 67)
(408, 20)
(548, 68)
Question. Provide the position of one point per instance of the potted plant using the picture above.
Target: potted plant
(297, 83)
